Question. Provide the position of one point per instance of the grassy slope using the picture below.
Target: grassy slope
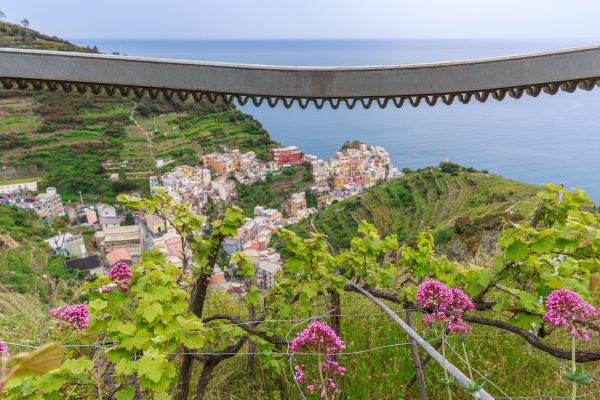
(382, 374)
(25, 263)
(65, 137)
(425, 199)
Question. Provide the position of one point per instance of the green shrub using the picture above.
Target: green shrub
(443, 235)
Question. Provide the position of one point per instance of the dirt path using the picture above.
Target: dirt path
(146, 134)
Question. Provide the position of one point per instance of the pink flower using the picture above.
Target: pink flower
(106, 289)
(459, 304)
(565, 308)
(299, 375)
(71, 317)
(4, 350)
(331, 384)
(125, 289)
(120, 273)
(317, 336)
(444, 304)
(333, 367)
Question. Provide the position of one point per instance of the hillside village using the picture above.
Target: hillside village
(114, 236)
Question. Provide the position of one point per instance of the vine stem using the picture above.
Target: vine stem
(447, 383)
(573, 368)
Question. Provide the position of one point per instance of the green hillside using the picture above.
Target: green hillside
(17, 36)
(27, 265)
(451, 204)
(275, 190)
(65, 138)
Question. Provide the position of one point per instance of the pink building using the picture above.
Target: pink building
(117, 255)
(174, 246)
(91, 216)
(286, 155)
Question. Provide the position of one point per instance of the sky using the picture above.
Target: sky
(308, 19)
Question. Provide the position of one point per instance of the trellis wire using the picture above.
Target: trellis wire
(287, 320)
(452, 370)
(287, 335)
(345, 353)
(30, 346)
(522, 397)
(477, 372)
(298, 322)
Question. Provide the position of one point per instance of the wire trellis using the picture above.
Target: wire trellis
(301, 321)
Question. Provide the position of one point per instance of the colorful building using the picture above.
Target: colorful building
(286, 155)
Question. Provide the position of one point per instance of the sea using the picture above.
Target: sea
(537, 140)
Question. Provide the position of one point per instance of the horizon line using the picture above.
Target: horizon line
(335, 39)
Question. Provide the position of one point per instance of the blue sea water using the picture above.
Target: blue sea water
(537, 140)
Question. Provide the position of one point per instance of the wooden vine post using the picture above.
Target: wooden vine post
(416, 359)
(457, 374)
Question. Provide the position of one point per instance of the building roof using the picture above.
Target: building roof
(85, 263)
(118, 254)
(102, 207)
(118, 233)
(110, 220)
(252, 245)
(283, 149)
(268, 266)
(59, 241)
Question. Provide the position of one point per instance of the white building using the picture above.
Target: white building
(106, 210)
(265, 273)
(68, 244)
(232, 244)
(176, 179)
(130, 237)
(16, 187)
(49, 205)
(154, 183)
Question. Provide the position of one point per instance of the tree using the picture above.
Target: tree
(2, 15)
(129, 220)
(311, 199)
(25, 22)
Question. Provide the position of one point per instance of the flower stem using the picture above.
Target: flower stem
(445, 369)
(467, 361)
(68, 335)
(321, 374)
(573, 368)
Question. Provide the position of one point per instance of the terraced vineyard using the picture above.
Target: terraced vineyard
(184, 135)
(68, 137)
(426, 199)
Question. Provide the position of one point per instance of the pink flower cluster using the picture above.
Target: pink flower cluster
(120, 273)
(4, 350)
(71, 317)
(317, 336)
(565, 307)
(320, 338)
(445, 304)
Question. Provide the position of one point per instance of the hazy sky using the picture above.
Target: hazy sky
(308, 19)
